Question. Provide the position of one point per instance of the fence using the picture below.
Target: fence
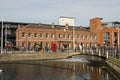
(103, 51)
(26, 51)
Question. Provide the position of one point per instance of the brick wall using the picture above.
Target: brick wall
(61, 37)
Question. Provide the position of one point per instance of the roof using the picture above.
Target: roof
(66, 17)
(10, 22)
(115, 22)
(14, 25)
(49, 26)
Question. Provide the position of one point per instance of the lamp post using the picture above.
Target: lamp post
(1, 36)
(118, 38)
(2, 23)
(6, 27)
(73, 37)
(60, 42)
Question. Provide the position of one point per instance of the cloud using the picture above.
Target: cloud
(48, 11)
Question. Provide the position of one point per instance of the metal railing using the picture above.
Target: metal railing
(27, 51)
(103, 51)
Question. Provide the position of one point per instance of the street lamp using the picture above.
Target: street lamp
(118, 38)
(6, 27)
(60, 41)
(73, 37)
(1, 36)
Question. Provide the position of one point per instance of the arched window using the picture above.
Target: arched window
(64, 36)
(60, 35)
(35, 35)
(29, 35)
(68, 36)
(41, 35)
(52, 35)
(24, 34)
(47, 35)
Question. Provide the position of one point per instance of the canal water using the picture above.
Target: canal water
(75, 68)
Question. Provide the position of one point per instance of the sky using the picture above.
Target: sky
(48, 11)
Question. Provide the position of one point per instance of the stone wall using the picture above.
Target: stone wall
(35, 56)
(114, 64)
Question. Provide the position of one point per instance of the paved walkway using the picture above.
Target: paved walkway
(35, 56)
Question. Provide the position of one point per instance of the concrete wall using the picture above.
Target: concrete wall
(35, 56)
(114, 63)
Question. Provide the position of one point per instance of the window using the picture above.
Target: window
(60, 36)
(52, 35)
(64, 36)
(23, 34)
(87, 37)
(41, 35)
(29, 35)
(94, 38)
(91, 37)
(47, 35)
(79, 36)
(69, 36)
(69, 45)
(35, 35)
(29, 46)
(106, 36)
(83, 37)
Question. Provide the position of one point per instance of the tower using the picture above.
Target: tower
(95, 24)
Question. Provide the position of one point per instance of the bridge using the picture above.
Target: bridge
(102, 51)
(112, 55)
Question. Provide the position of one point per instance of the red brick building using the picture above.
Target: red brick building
(64, 36)
(107, 33)
(99, 34)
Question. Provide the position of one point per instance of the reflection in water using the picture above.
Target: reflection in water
(33, 72)
(36, 71)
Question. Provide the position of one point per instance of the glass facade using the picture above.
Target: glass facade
(106, 39)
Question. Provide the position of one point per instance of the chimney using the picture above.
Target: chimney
(19, 25)
(67, 26)
(53, 25)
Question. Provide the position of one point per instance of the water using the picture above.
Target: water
(35, 71)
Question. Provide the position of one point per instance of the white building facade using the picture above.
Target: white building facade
(67, 20)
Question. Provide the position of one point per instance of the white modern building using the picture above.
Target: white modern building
(67, 20)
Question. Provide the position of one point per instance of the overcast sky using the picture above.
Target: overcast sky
(48, 11)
